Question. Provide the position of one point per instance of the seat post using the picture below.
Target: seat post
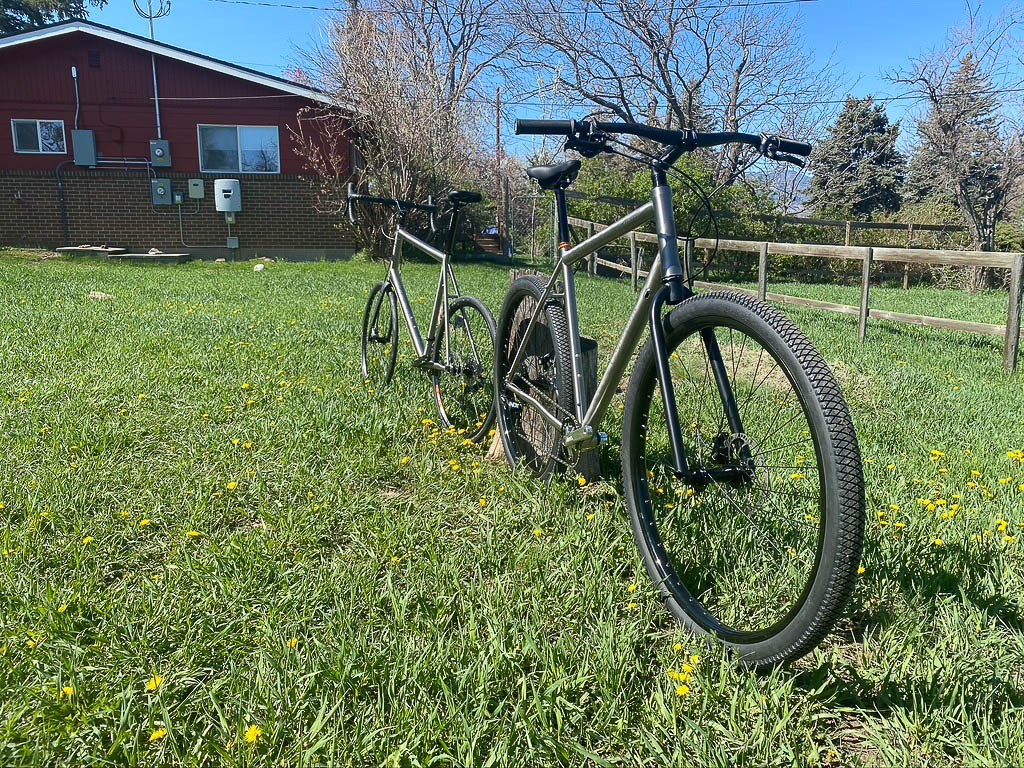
(453, 226)
(563, 219)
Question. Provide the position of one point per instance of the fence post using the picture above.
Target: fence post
(849, 232)
(593, 256)
(634, 267)
(1011, 346)
(906, 266)
(865, 288)
(762, 273)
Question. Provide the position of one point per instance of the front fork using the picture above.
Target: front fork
(696, 476)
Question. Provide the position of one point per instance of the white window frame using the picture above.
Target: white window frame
(199, 144)
(39, 138)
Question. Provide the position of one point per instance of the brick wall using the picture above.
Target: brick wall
(114, 207)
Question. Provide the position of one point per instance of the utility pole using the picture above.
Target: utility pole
(497, 143)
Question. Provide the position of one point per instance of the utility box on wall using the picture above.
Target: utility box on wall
(160, 153)
(196, 190)
(84, 145)
(227, 195)
(161, 191)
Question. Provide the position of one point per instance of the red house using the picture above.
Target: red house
(108, 137)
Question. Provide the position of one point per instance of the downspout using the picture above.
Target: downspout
(63, 205)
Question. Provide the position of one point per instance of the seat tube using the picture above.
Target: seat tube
(569, 286)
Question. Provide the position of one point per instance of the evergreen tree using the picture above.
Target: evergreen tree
(20, 15)
(857, 169)
(963, 156)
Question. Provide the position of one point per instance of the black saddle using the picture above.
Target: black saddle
(463, 197)
(555, 176)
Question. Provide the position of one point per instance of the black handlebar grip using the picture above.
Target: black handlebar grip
(794, 147)
(433, 214)
(353, 215)
(544, 127)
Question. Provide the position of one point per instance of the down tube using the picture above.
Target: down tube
(628, 343)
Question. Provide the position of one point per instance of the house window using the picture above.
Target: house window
(239, 149)
(44, 137)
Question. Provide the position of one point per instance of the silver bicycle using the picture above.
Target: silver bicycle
(458, 352)
(743, 476)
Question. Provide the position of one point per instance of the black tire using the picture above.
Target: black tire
(465, 391)
(380, 335)
(765, 563)
(529, 441)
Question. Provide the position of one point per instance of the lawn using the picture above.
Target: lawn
(215, 551)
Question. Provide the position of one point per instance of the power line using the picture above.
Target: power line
(296, 7)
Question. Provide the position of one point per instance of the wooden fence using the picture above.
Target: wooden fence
(867, 256)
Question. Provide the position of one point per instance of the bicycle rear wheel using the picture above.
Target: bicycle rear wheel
(763, 551)
(380, 335)
(464, 391)
(530, 440)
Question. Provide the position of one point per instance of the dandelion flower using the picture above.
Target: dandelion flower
(231, 486)
(293, 643)
(483, 503)
(861, 570)
(63, 607)
(632, 587)
(695, 659)
(894, 507)
(158, 734)
(537, 532)
(938, 542)
(154, 683)
(144, 523)
(582, 481)
(88, 540)
(677, 647)
(253, 733)
(193, 534)
(632, 606)
(67, 692)
(683, 690)
(590, 516)
(405, 460)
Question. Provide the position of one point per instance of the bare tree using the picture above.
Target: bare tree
(970, 137)
(681, 63)
(406, 79)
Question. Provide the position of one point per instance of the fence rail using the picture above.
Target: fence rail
(867, 256)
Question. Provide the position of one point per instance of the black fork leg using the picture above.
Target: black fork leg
(668, 393)
(732, 413)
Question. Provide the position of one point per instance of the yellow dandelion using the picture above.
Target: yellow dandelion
(67, 692)
(88, 540)
(245, 386)
(632, 587)
(861, 570)
(231, 486)
(144, 523)
(695, 659)
(63, 607)
(632, 606)
(677, 647)
(938, 542)
(253, 734)
(293, 643)
(894, 507)
(405, 460)
(154, 683)
(683, 690)
(158, 734)
(193, 534)
(582, 481)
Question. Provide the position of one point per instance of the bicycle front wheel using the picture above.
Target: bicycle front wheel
(761, 547)
(380, 335)
(464, 391)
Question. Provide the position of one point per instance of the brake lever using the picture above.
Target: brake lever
(788, 159)
(592, 146)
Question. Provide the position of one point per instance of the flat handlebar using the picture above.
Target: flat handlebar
(689, 140)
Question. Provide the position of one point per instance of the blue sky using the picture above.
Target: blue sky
(866, 39)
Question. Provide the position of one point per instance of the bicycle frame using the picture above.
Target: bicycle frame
(426, 351)
(585, 434)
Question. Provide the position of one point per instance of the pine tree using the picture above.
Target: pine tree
(963, 156)
(20, 15)
(857, 169)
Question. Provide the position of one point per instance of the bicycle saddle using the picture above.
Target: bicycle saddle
(553, 176)
(463, 197)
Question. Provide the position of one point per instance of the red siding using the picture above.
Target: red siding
(117, 101)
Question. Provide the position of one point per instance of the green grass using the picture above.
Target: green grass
(428, 628)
